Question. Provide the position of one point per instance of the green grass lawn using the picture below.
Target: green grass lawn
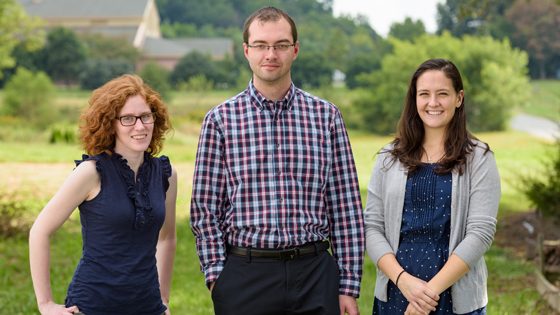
(510, 279)
(545, 99)
(516, 153)
(509, 292)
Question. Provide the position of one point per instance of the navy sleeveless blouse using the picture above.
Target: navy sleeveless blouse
(117, 273)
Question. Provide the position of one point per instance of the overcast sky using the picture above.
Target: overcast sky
(382, 13)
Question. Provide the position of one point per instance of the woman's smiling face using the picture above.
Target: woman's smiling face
(436, 99)
(135, 138)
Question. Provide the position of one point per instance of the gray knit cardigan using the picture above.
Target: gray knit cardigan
(474, 207)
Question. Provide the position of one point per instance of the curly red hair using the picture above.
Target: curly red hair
(97, 129)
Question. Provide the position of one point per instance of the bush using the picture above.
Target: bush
(494, 77)
(544, 191)
(197, 83)
(192, 65)
(312, 70)
(63, 55)
(98, 71)
(17, 212)
(157, 78)
(13, 129)
(29, 96)
(100, 46)
(62, 134)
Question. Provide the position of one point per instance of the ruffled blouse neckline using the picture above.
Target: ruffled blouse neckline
(137, 189)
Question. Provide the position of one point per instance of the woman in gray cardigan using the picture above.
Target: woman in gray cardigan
(432, 204)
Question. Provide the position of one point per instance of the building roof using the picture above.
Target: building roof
(75, 9)
(134, 20)
(126, 32)
(175, 48)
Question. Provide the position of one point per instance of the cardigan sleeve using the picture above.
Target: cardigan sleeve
(482, 206)
(377, 244)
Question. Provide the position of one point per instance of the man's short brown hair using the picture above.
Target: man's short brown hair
(268, 14)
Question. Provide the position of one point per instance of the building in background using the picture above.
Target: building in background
(136, 21)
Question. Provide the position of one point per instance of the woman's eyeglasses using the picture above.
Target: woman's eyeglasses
(130, 120)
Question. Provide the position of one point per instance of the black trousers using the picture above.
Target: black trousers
(263, 286)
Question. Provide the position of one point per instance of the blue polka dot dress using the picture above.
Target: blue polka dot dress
(424, 241)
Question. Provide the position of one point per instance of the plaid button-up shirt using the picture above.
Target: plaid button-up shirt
(276, 175)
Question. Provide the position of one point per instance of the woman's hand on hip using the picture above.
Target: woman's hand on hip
(51, 308)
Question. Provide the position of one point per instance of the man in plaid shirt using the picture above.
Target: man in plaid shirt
(274, 188)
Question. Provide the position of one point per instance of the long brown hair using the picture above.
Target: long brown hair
(459, 142)
(97, 129)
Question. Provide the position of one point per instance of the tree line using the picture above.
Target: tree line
(481, 37)
(530, 25)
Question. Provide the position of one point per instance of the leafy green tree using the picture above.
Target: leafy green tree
(480, 17)
(63, 56)
(96, 72)
(537, 25)
(193, 64)
(107, 58)
(303, 9)
(29, 96)
(197, 83)
(494, 75)
(407, 30)
(98, 46)
(311, 70)
(158, 78)
(530, 24)
(365, 55)
(228, 70)
(243, 78)
(320, 33)
(448, 18)
(176, 29)
(544, 190)
(219, 13)
(17, 28)
(359, 65)
(327, 5)
(25, 58)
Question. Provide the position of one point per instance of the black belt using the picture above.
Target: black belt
(280, 254)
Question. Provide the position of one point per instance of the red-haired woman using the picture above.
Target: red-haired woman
(126, 197)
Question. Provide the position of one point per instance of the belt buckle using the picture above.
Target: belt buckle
(289, 254)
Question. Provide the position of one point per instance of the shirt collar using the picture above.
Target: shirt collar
(262, 103)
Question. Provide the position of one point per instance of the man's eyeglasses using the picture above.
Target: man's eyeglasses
(130, 120)
(263, 48)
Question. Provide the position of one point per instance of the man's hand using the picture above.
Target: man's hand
(348, 305)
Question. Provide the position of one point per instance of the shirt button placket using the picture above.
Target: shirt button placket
(278, 154)
(279, 169)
